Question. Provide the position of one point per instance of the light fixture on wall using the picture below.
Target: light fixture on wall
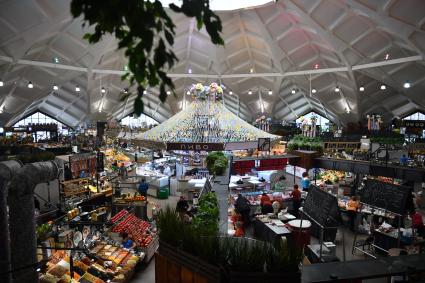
(406, 84)
(30, 85)
(361, 88)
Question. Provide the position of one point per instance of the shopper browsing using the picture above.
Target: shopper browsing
(305, 182)
(242, 206)
(143, 188)
(352, 207)
(266, 204)
(296, 199)
(182, 207)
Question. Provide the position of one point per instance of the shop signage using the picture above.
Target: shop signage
(195, 146)
(413, 123)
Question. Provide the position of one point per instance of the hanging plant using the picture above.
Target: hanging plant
(146, 33)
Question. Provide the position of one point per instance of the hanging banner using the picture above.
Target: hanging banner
(195, 146)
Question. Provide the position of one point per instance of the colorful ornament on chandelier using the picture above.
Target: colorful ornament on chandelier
(213, 91)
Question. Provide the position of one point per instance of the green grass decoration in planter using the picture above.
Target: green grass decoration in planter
(236, 257)
(305, 143)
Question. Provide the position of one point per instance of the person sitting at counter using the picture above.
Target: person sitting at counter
(266, 204)
(143, 188)
(352, 207)
(296, 198)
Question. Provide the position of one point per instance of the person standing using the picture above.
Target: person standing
(143, 188)
(352, 207)
(243, 207)
(135, 157)
(182, 207)
(305, 182)
(266, 204)
(404, 160)
(296, 199)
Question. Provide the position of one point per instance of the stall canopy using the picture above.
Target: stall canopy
(205, 121)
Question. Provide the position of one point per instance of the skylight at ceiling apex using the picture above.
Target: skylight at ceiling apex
(225, 5)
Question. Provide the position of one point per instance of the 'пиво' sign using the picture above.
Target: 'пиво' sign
(195, 146)
(413, 124)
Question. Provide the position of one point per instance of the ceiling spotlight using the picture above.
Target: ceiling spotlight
(270, 92)
(55, 87)
(406, 84)
(293, 91)
(336, 89)
(189, 71)
(38, 269)
(347, 110)
(187, 92)
(77, 88)
(125, 90)
(168, 92)
(383, 87)
(316, 66)
(55, 60)
(103, 90)
(230, 92)
(313, 90)
(387, 56)
(361, 88)
(249, 92)
(30, 85)
(145, 91)
(251, 70)
(100, 110)
(1, 83)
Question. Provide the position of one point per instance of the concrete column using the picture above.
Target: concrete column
(7, 170)
(22, 223)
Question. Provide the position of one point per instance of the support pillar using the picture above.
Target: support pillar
(7, 170)
(22, 223)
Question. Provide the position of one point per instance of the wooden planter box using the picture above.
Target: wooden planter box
(256, 277)
(174, 265)
(305, 158)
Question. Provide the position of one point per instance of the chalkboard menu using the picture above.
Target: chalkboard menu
(385, 195)
(322, 207)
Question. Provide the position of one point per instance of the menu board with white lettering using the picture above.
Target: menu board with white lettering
(385, 195)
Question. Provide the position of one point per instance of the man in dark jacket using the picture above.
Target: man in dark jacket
(242, 206)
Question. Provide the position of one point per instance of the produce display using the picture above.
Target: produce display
(130, 198)
(112, 264)
(332, 176)
(134, 226)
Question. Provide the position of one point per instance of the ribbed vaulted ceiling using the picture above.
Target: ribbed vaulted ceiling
(290, 36)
